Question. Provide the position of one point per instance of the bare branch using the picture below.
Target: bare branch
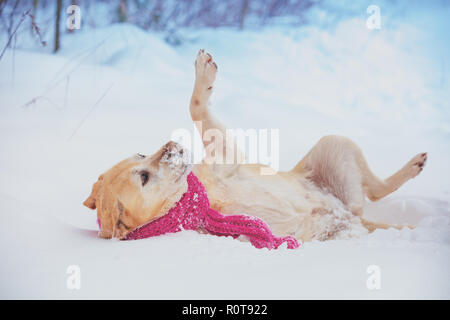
(24, 15)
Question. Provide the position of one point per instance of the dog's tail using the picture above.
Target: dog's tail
(372, 226)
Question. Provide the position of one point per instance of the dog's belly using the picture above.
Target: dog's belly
(291, 205)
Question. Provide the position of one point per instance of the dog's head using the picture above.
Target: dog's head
(139, 189)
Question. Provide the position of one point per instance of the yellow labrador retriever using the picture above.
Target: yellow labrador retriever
(321, 198)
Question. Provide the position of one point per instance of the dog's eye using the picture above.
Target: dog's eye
(141, 155)
(144, 177)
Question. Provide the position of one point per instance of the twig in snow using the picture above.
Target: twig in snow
(37, 29)
(66, 93)
(52, 83)
(56, 81)
(33, 101)
(90, 111)
(14, 60)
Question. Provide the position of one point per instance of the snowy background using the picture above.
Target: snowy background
(116, 89)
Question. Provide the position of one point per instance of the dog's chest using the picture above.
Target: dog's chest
(290, 206)
(245, 192)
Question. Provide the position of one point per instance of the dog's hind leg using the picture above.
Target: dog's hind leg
(338, 164)
(376, 188)
(331, 166)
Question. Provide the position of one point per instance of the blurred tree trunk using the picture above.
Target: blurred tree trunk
(123, 13)
(35, 5)
(243, 13)
(57, 25)
(33, 15)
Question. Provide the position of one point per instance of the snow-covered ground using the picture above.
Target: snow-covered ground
(116, 91)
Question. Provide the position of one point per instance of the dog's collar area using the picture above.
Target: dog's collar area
(193, 212)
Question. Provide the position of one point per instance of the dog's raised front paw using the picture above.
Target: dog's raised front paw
(205, 70)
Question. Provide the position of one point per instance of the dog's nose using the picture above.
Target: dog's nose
(174, 151)
(173, 147)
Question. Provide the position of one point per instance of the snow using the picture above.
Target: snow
(115, 91)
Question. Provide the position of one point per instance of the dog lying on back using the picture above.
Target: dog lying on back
(321, 198)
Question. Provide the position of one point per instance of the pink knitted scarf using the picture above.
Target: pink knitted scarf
(193, 212)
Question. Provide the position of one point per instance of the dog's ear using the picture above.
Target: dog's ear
(90, 201)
